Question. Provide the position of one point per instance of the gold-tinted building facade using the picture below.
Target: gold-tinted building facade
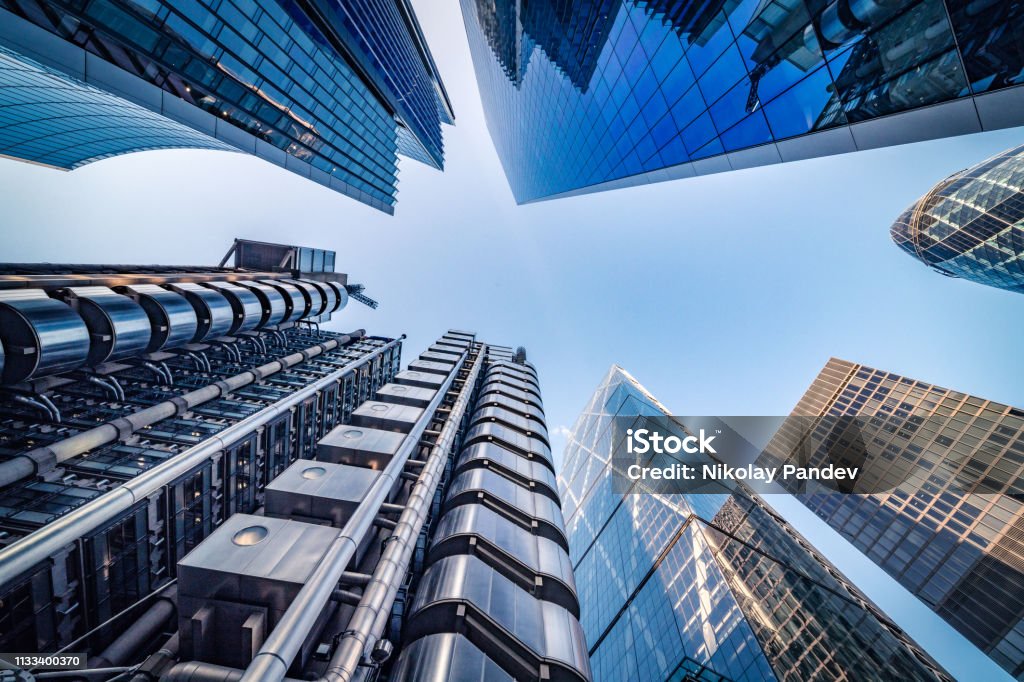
(950, 526)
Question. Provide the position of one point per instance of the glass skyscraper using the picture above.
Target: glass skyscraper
(971, 225)
(333, 91)
(950, 527)
(596, 94)
(707, 586)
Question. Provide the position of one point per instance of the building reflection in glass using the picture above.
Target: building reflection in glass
(579, 93)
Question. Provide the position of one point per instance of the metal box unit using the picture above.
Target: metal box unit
(362, 447)
(235, 585)
(421, 379)
(430, 367)
(406, 395)
(443, 358)
(454, 351)
(375, 414)
(318, 492)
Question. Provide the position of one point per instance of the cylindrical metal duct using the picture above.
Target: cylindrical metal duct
(122, 650)
(118, 326)
(342, 294)
(173, 319)
(274, 307)
(314, 298)
(294, 301)
(39, 335)
(330, 296)
(214, 315)
(247, 309)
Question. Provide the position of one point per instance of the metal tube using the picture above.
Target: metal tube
(280, 647)
(41, 544)
(14, 469)
(374, 608)
(78, 674)
(122, 649)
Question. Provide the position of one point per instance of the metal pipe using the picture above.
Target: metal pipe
(38, 546)
(78, 674)
(145, 628)
(93, 379)
(14, 469)
(197, 671)
(346, 597)
(164, 658)
(352, 578)
(194, 671)
(374, 608)
(280, 647)
(33, 403)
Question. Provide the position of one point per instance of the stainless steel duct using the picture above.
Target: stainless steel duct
(213, 311)
(118, 326)
(39, 335)
(248, 311)
(294, 301)
(274, 307)
(173, 320)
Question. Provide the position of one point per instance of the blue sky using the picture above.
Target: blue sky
(723, 294)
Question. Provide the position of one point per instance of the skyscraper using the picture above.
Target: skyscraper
(196, 481)
(332, 91)
(971, 225)
(950, 528)
(710, 585)
(586, 95)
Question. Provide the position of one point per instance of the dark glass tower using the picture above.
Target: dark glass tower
(333, 91)
(707, 586)
(197, 482)
(585, 95)
(950, 530)
(971, 225)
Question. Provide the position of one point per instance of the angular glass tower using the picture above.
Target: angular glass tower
(587, 95)
(950, 531)
(707, 586)
(333, 91)
(971, 225)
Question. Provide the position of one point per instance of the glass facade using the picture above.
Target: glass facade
(950, 533)
(971, 225)
(596, 94)
(707, 586)
(334, 94)
(54, 120)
